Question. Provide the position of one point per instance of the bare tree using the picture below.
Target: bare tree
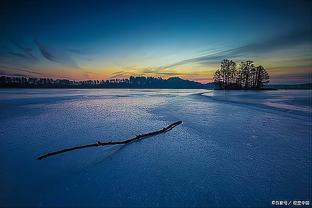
(262, 77)
(225, 76)
(246, 70)
(247, 76)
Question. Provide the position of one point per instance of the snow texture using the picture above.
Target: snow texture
(236, 148)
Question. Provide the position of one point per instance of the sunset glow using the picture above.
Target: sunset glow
(106, 40)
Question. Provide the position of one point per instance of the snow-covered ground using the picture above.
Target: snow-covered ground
(233, 149)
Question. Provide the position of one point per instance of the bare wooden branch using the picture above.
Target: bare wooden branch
(128, 141)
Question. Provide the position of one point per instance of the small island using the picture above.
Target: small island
(246, 76)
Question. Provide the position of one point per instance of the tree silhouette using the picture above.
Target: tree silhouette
(262, 77)
(226, 75)
(132, 82)
(247, 69)
(246, 76)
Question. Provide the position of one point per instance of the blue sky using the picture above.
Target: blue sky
(116, 39)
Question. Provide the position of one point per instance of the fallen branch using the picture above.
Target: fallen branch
(134, 139)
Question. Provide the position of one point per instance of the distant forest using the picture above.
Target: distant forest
(244, 76)
(132, 82)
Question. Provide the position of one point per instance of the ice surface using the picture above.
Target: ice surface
(294, 101)
(233, 149)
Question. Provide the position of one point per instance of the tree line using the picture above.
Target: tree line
(243, 76)
(131, 82)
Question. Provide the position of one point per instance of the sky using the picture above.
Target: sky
(82, 40)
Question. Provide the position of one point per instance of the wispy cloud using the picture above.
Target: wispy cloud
(26, 52)
(122, 74)
(17, 54)
(284, 41)
(14, 49)
(153, 71)
(6, 73)
(21, 69)
(82, 54)
(56, 55)
(291, 78)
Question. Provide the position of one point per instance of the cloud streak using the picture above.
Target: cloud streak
(25, 51)
(14, 49)
(56, 55)
(122, 75)
(284, 41)
(21, 69)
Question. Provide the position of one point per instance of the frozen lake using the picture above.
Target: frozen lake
(233, 149)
